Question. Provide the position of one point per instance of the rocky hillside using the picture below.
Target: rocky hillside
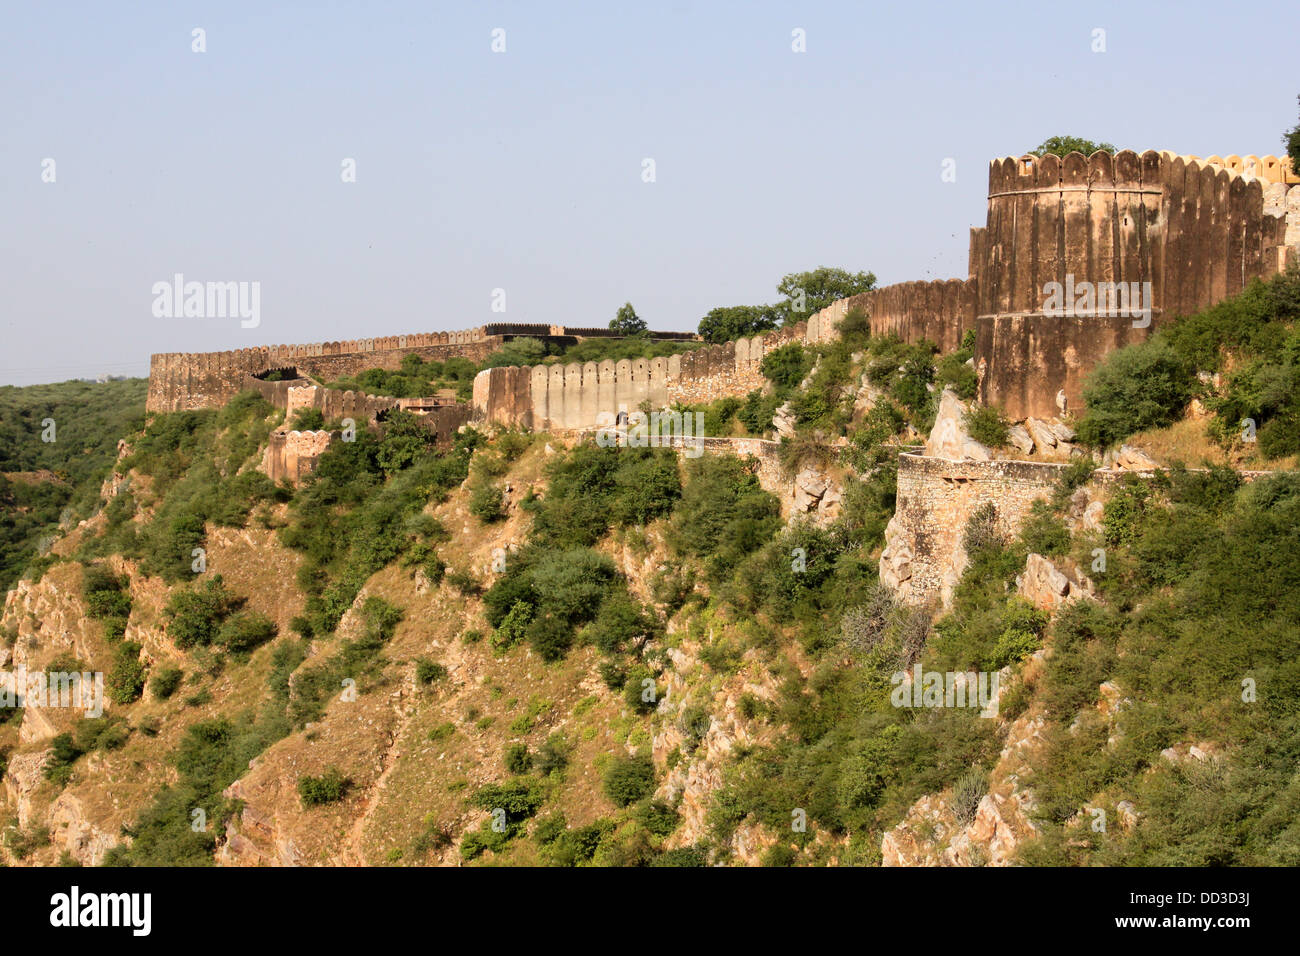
(587, 650)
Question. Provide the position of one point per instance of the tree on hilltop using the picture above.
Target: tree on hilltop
(803, 293)
(809, 292)
(1065, 145)
(627, 322)
(729, 322)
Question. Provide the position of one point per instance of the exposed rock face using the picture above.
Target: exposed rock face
(1018, 437)
(1047, 587)
(1134, 459)
(896, 560)
(930, 835)
(84, 841)
(22, 777)
(783, 421)
(948, 439)
(815, 492)
(699, 774)
(1043, 436)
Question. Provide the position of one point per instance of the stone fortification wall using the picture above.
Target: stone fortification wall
(292, 455)
(569, 397)
(180, 381)
(936, 497)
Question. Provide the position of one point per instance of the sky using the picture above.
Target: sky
(525, 170)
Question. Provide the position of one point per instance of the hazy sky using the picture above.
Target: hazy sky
(522, 170)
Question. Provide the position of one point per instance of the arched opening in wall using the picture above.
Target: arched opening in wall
(286, 373)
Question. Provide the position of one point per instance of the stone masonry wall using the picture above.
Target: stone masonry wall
(575, 396)
(181, 381)
(292, 456)
(936, 497)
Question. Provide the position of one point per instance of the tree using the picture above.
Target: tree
(1064, 145)
(1292, 142)
(727, 323)
(806, 293)
(627, 322)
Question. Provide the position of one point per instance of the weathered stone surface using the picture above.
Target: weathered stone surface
(1042, 583)
(1062, 431)
(1018, 438)
(948, 438)
(936, 498)
(1134, 459)
(783, 421)
(1042, 435)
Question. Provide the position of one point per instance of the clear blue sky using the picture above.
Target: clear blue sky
(522, 170)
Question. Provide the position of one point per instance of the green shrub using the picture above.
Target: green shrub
(165, 682)
(966, 796)
(329, 787)
(785, 367)
(244, 631)
(309, 419)
(195, 617)
(987, 425)
(125, 681)
(1135, 388)
(427, 671)
(485, 502)
(628, 779)
(517, 759)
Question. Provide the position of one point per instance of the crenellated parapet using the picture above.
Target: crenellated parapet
(1082, 255)
(182, 381)
(582, 395)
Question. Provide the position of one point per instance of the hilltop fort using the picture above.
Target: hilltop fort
(1187, 232)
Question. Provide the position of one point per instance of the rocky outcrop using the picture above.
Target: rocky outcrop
(1046, 586)
(1128, 458)
(80, 837)
(896, 559)
(949, 439)
(815, 493)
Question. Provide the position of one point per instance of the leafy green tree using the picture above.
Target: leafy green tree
(627, 322)
(727, 323)
(1135, 388)
(805, 293)
(1064, 145)
(785, 367)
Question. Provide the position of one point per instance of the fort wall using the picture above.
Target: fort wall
(180, 381)
(570, 397)
(292, 456)
(936, 497)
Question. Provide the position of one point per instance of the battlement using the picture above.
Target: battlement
(192, 380)
(1180, 232)
(1177, 233)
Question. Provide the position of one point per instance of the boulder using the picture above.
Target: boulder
(809, 487)
(1044, 585)
(1018, 438)
(896, 559)
(948, 439)
(1041, 434)
(1062, 431)
(1134, 459)
(783, 421)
